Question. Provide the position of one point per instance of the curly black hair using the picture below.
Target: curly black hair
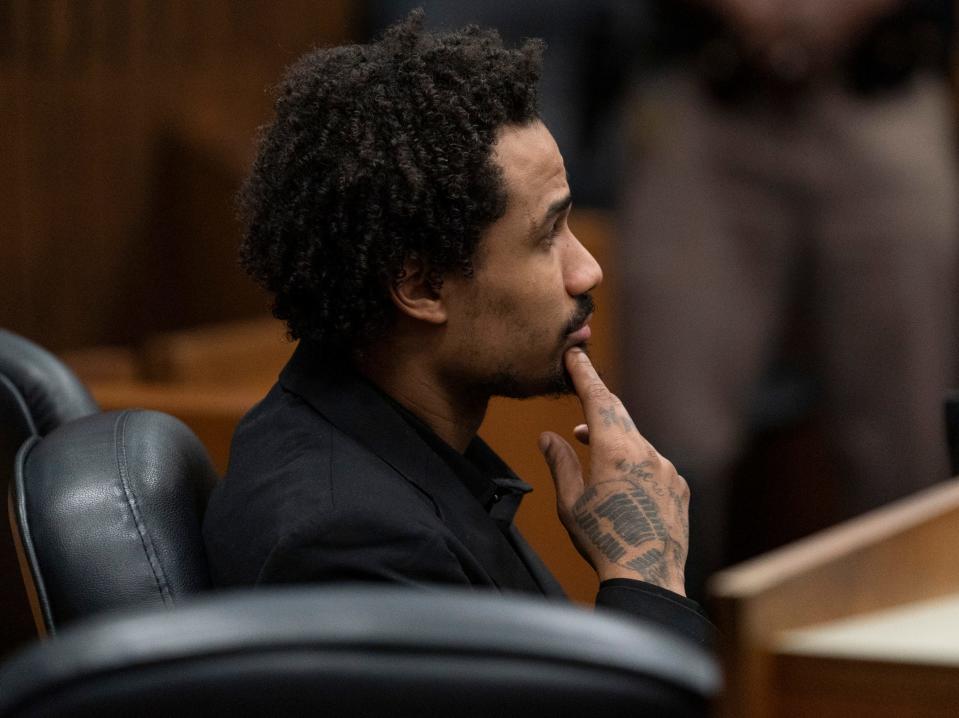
(379, 153)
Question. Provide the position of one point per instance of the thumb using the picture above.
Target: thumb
(564, 466)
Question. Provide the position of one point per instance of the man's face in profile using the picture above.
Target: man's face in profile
(527, 301)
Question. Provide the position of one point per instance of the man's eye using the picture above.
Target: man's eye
(553, 233)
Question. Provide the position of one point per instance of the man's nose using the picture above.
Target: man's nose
(583, 272)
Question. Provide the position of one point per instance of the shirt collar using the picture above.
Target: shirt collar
(483, 473)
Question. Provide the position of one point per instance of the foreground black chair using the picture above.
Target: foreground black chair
(38, 393)
(108, 510)
(360, 651)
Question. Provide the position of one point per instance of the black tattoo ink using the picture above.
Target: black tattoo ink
(607, 544)
(631, 525)
(611, 417)
(634, 469)
(626, 526)
(639, 471)
(649, 564)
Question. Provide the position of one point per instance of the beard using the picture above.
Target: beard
(555, 382)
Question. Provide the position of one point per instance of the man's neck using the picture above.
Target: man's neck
(454, 416)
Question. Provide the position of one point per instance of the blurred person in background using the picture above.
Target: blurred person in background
(791, 158)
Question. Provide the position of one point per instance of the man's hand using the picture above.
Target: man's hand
(629, 517)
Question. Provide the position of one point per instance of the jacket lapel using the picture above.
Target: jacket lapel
(356, 408)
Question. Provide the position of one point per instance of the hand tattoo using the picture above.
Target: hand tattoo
(639, 471)
(611, 417)
(622, 520)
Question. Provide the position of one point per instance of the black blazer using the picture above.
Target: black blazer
(328, 482)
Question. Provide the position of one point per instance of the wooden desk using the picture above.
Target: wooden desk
(900, 554)
(899, 662)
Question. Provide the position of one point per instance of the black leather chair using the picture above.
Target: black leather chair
(37, 394)
(360, 651)
(108, 509)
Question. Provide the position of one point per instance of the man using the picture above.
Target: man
(408, 210)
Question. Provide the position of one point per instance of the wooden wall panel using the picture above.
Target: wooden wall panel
(125, 129)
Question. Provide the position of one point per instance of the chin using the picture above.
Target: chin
(509, 383)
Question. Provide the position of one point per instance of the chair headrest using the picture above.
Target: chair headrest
(51, 392)
(351, 650)
(109, 509)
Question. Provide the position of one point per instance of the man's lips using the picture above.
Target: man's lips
(582, 334)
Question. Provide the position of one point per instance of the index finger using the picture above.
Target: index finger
(600, 406)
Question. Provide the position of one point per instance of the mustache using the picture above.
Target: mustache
(584, 307)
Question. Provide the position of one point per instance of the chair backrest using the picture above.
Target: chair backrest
(108, 511)
(37, 389)
(37, 394)
(361, 651)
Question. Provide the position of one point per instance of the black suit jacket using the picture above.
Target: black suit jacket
(328, 482)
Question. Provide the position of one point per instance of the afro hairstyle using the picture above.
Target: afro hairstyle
(380, 153)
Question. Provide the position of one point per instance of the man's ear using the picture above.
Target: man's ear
(415, 295)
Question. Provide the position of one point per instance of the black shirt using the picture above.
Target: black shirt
(500, 491)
